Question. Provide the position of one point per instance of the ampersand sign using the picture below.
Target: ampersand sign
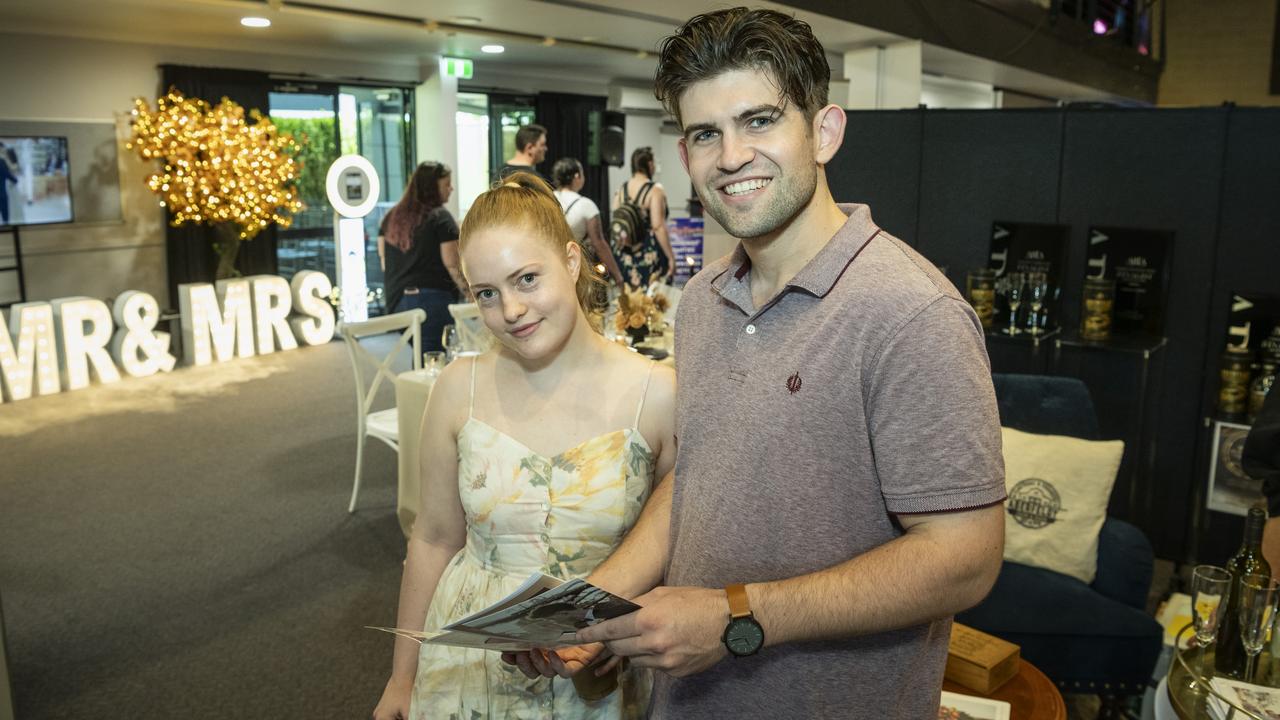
(136, 347)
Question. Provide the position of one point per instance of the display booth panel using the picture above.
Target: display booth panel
(978, 165)
(879, 164)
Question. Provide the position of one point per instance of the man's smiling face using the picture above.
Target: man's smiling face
(750, 153)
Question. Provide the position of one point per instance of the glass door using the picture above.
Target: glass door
(374, 122)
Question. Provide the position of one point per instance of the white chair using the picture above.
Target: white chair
(381, 424)
(472, 332)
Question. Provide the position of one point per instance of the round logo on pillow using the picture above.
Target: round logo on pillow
(1034, 503)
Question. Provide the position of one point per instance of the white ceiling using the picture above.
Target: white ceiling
(349, 32)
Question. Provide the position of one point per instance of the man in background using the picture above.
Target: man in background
(531, 149)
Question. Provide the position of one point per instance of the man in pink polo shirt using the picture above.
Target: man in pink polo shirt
(838, 490)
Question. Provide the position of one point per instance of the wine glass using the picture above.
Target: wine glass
(1258, 595)
(1210, 586)
(1038, 287)
(433, 362)
(451, 342)
(1016, 290)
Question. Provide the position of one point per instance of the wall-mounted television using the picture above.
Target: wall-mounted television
(35, 180)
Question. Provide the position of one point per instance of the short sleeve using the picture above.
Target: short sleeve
(932, 414)
(440, 227)
(589, 208)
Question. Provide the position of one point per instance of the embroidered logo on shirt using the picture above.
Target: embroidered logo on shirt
(794, 383)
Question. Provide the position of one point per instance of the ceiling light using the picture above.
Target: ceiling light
(465, 20)
(1099, 27)
(255, 22)
(492, 49)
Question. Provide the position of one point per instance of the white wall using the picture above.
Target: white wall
(70, 79)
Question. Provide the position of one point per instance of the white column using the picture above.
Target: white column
(884, 77)
(436, 110)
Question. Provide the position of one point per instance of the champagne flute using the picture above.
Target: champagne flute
(1015, 289)
(1039, 289)
(1210, 586)
(1258, 595)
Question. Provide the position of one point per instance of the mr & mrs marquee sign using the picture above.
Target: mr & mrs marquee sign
(46, 348)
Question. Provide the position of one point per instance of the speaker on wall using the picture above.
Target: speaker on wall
(613, 138)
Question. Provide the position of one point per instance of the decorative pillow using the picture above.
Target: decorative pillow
(1058, 491)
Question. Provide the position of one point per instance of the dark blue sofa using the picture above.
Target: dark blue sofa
(1093, 638)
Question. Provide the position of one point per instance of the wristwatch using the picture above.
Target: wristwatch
(743, 635)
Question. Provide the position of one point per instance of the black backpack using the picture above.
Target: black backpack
(629, 223)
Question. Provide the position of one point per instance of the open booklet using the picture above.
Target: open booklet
(1264, 702)
(544, 612)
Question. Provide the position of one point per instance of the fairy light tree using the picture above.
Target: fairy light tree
(218, 169)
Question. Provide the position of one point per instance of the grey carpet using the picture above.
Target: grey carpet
(180, 546)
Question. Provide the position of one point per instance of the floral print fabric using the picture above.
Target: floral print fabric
(560, 515)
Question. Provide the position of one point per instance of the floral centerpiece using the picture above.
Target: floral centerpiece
(639, 313)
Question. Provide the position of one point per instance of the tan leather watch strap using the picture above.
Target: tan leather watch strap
(739, 606)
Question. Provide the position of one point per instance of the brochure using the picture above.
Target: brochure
(1263, 702)
(955, 706)
(544, 612)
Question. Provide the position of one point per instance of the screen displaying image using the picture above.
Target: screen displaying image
(35, 181)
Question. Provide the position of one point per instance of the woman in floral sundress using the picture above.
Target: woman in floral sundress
(536, 456)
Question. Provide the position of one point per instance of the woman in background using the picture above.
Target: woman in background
(582, 215)
(418, 248)
(516, 475)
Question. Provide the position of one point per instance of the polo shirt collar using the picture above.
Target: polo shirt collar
(820, 274)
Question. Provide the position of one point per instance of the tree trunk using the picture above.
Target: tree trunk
(227, 247)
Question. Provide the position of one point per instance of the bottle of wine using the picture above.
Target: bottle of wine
(1229, 655)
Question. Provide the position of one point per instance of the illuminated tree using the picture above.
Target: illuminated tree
(218, 169)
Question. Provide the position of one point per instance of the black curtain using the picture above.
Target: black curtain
(566, 118)
(190, 248)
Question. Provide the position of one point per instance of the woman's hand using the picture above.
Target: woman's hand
(394, 704)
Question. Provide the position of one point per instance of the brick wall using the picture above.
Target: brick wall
(1218, 51)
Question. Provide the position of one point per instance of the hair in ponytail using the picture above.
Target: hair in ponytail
(523, 198)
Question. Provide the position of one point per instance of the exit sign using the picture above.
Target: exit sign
(457, 67)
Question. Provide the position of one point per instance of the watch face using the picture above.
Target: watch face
(744, 636)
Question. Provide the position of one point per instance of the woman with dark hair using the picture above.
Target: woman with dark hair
(418, 247)
(649, 257)
(583, 216)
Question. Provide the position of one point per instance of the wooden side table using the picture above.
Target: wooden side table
(1031, 695)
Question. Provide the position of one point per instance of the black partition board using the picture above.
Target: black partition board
(879, 164)
(978, 167)
(1248, 250)
(1158, 169)
(1248, 260)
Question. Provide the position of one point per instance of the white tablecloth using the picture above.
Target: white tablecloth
(412, 390)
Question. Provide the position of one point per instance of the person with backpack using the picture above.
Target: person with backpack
(638, 226)
(583, 216)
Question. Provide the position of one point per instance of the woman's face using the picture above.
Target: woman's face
(524, 287)
(445, 185)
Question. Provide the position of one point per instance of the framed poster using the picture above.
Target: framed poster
(1028, 248)
(1141, 263)
(1230, 490)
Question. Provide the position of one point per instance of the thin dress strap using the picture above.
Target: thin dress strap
(644, 394)
(471, 409)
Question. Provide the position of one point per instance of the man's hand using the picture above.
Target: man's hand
(677, 630)
(565, 662)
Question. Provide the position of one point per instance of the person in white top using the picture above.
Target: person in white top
(583, 215)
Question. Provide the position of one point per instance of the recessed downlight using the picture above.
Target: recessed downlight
(492, 49)
(255, 22)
